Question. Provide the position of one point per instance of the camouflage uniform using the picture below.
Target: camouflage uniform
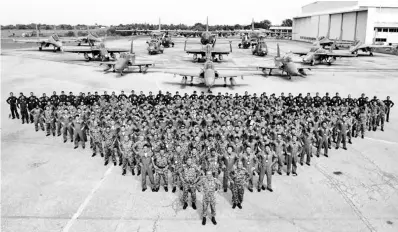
(108, 139)
(238, 178)
(189, 177)
(361, 125)
(176, 161)
(95, 132)
(126, 152)
(161, 169)
(381, 115)
(209, 186)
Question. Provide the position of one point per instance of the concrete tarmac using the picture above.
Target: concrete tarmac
(49, 186)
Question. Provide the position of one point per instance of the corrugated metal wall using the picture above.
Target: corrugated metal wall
(335, 26)
(323, 25)
(361, 25)
(349, 26)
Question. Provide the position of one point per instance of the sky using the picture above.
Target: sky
(117, 12)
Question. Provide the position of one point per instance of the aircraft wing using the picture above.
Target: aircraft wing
(373, 46)
(31, 40)
(336, 54)
(222, 51)
(185, 73)
(194, 51)
(116, 50)
(142, 64)
(300, 53)
(80, 50)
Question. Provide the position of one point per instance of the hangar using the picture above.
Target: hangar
(367, 21)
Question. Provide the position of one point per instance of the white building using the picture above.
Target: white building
(367, 21)
(281, 29)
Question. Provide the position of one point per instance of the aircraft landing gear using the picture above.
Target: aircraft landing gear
(289, 77)
(232, 81)
(191, 83)
(225, 82)
(184, 80)
(371, 54)
(40, 48)
(313, 62)
(208, 90)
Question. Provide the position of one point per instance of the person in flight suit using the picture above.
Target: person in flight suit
(323, 134)
(250, 162)
(229, 159)
(267, 160)
(389, 104)
(23, 106)
(13, 102)
(78, 128)
(292, 151)
(307, 139)
(209, 185)
(280, 149)
(342, 127)
(361, 125)
(32, 102)
(146, 164)
(49, 120)
(66, 126)
(36, 114)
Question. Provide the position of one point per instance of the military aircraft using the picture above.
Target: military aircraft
(90, 39)
(206, 37)
(163, 35)
(360, 46)
(208, 51)
(250, 37)
(208, 74)
(260, 49)
(100, 51)
(53, 41)
(285, 64)
(318, 54)
(154, 46)
(125, 61)
(323, 42)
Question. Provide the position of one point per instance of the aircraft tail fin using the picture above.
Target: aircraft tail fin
(252, 24)
(132, 46)
(278, 52)
(333, 46)
(160, 27)
(37, 32)
(207, 23)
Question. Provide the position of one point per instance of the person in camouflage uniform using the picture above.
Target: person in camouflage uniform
(190, 176)
(209, 186)
(362, 119)
(107, 144)
(161, 168)
(176, 164)
(125, 148)
(95, 135)
(137, 148)
(238, 177)
(381, 114)
(213, 162)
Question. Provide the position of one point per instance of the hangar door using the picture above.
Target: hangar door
(335, 26)
(323, 25)
(349, 26)
(361, 25)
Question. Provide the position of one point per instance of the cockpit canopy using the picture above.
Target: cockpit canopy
(209, 65)
(55, 37)
(314, 49)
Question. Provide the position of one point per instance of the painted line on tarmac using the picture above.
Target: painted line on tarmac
(380, 140)
(86, 201)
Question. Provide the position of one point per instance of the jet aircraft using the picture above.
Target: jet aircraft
(97, 52)
(208, 51)
(53, 41)
(249, 37)
(208, 75)
(90, 39)
(285, 64)
(155, 46)
(125, 61)
(260, 49)
(360, 46)
(320, 55)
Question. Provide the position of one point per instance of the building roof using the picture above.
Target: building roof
(334, 7)
(280, 28)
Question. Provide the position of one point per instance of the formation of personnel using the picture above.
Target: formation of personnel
(191, 140)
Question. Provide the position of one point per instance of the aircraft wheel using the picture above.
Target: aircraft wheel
(225, 85)
(312, 62)
(289, 77)
(79, 44)
(371, 54)
(40, 48)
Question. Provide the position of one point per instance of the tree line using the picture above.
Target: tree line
(265, 24)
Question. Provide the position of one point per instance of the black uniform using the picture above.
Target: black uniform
(63, 98)
(13, 101)
(23, 106)
(389, 104)
(54, 99)
(32, 102)
(43, 101)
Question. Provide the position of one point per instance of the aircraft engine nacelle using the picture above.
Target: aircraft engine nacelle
(195, 56)
(331, 60)
(216, 75)
(86, 56)
(220, 57)
(301, 71)
(113, 55)
(264, 70)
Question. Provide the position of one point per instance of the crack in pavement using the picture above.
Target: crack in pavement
(335, 185)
